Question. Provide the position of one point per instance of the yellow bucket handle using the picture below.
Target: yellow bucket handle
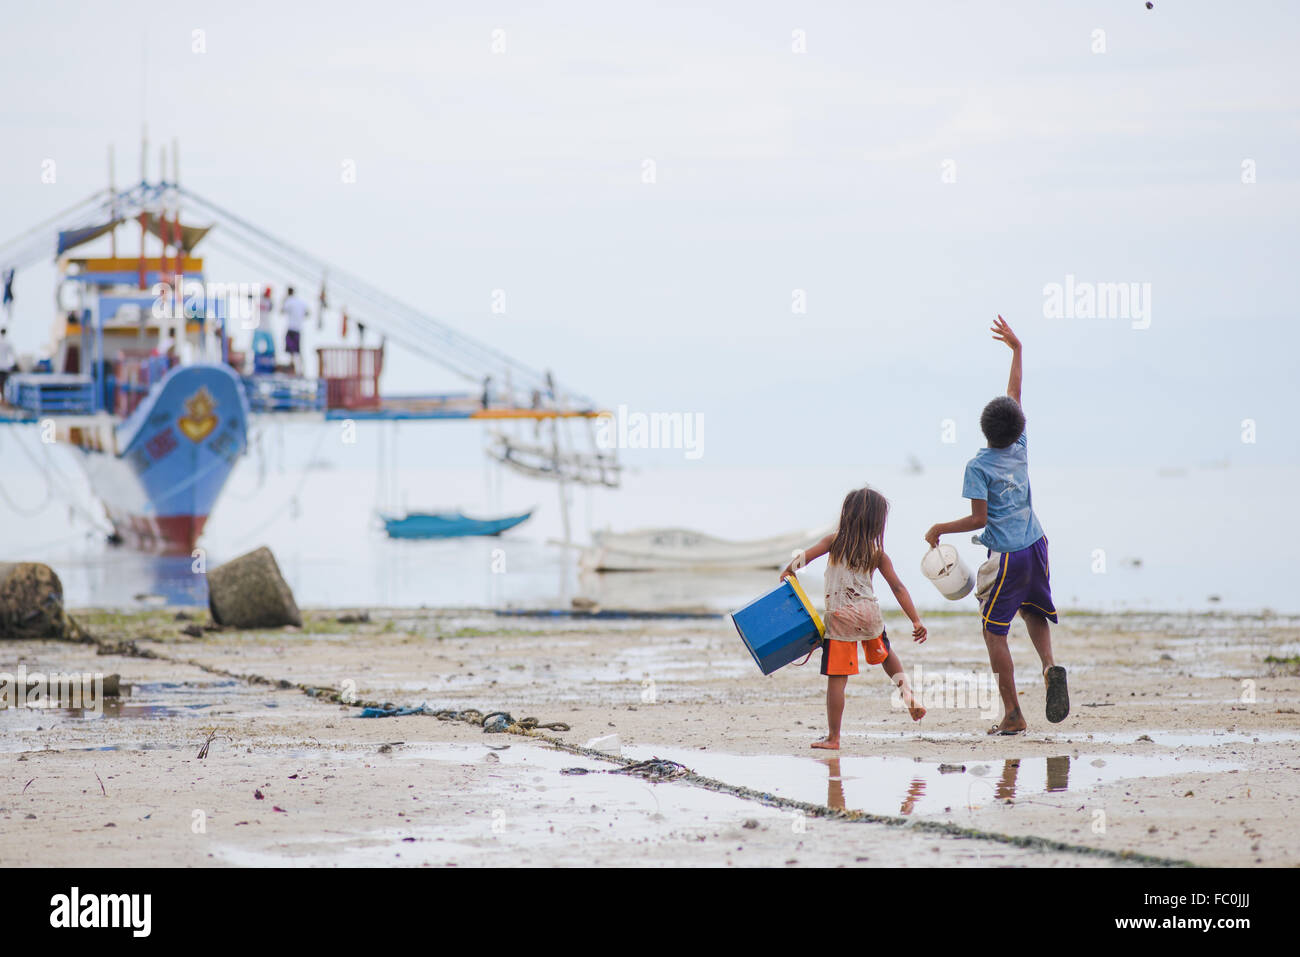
(808, 605)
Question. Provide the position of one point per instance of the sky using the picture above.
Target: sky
(843, 197)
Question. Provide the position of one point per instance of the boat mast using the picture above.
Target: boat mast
(174, 195)
(144, 174)
(112, 213)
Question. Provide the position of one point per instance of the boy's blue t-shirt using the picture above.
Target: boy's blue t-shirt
(1001, 478)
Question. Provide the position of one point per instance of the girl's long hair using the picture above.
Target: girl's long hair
(860, 540)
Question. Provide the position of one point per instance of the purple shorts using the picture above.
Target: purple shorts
(291, 341)
(1023, 581)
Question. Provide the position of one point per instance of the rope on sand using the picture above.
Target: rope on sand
(656, 769)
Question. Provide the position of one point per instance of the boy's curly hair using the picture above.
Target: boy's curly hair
(1002, 421)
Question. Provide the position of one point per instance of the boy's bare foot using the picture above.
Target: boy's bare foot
(914, 709)
(827, 744)
(1014, 723)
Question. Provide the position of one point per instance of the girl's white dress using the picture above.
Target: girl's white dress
(852, 611)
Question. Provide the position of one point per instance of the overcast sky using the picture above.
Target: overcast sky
(918, 168)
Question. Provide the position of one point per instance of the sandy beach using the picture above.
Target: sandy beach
(1182, 746)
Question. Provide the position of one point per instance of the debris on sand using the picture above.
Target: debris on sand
(250, 592)
(654, 769)
(207, 743)
(388, 710)
(609, 743)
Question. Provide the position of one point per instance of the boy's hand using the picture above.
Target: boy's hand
(1002, 333)
(932, 536)
(919, 633)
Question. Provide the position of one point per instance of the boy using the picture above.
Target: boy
(1015, 577)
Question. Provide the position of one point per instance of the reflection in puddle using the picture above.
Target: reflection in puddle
(117, 708)
(894, 785)
(915, 791)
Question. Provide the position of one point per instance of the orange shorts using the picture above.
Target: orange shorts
(841, 657)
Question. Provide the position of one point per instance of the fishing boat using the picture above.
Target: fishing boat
(680, 549)
(155, 372)
(448, 524)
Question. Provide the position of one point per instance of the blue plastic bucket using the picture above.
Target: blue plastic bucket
(780, 626)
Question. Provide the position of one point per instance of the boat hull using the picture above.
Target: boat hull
(679, 549)
(172, 457)
(449, 525)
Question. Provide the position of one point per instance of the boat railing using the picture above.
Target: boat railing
(277, 392)
(50, 393)
(351, 376)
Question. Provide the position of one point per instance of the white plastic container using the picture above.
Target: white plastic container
(609, 743)
(944, 567)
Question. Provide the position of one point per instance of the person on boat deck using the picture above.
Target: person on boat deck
(8, 359)
(295, 313)
(264, 309)
(166, 346)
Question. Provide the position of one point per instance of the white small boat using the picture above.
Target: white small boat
(680, 549)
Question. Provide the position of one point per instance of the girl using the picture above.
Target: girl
(857, 550)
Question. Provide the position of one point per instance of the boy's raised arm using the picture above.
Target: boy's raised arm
(1002, 333)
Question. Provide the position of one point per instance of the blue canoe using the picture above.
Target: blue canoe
(447, 524)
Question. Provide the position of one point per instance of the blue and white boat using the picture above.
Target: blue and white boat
(448, 524)
(155, 371)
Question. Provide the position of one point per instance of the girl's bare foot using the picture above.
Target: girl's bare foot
(827, 744)
(914, 709)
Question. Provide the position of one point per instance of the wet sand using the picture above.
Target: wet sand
(1182, 744)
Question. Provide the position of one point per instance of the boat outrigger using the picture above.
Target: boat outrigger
(155, 372)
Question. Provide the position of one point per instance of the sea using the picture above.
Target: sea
(1213, 537)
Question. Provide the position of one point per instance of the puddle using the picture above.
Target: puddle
(136, 747)
(514, 807)
(1188, 739)
(119, 708)
(904, 786)
(540, 808)
(1168, 739)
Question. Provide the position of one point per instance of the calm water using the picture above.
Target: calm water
(1199, 538)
